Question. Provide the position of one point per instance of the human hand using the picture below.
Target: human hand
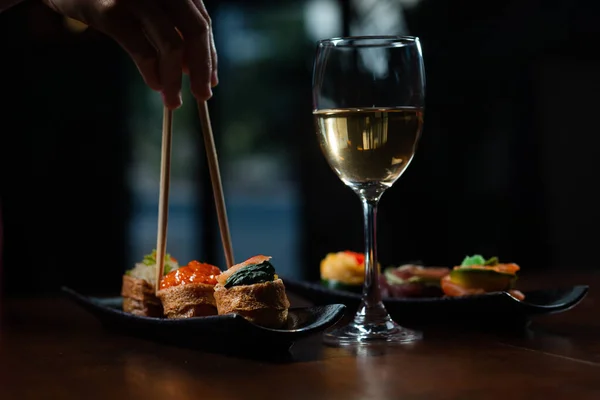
(163, 37)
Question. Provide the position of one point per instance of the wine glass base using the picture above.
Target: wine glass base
(365, 334)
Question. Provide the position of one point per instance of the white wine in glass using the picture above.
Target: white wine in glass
(368, 95)
(369, 145)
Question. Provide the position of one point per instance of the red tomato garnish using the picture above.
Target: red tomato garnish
(194, 272)
(359, 257)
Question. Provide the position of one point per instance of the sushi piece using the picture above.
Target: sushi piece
(189, 291)
(253, 290)
(476, 275)
(412, 280)
(344, 270)
(138, 287)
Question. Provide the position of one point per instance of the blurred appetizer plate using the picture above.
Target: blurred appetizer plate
(495, 308)
(227, 330)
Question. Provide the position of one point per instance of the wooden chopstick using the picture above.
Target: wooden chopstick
(163, 199)
(215, 178)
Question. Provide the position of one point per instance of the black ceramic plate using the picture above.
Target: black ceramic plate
(490, 307)
(226, 330)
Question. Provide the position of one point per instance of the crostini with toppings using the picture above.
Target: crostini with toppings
(476, 275)
(412, 280)
(343, 270)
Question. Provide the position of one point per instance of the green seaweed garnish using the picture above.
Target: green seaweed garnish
(251, 274)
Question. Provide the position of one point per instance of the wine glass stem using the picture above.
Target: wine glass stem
(371, 292)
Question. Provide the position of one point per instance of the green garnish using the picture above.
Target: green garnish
(492, 261)
(251, 274)
(150, 259)
(478, 259)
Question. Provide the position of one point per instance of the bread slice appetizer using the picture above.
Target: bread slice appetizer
(138, 288)
(253, 290)
(477, 275)
(189, 291)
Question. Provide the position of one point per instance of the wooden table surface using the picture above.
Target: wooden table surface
(52, 349)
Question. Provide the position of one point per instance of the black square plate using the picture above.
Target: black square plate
(229, 330)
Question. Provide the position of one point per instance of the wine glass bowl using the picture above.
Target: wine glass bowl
(368, 98)
(363, 145)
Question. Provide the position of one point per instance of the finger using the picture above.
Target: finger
(213, 49)
(186, 69)
(184, 63)
(196, 33)
(214, 77)
(189, 52)
(130, 36)
(161, 32)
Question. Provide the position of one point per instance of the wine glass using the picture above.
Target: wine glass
(368, 98)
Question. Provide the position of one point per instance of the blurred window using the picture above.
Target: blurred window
(184, 237)
(265, 64)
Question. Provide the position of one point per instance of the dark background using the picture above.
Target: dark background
(506, 165)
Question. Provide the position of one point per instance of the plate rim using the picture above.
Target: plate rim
(576, 294)
(337, 313)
